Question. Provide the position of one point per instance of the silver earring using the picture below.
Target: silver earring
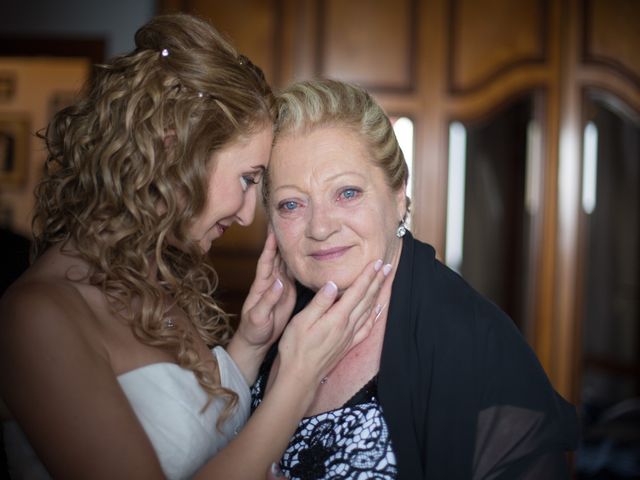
(402, 229)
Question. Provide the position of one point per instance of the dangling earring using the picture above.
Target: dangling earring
(402, 229)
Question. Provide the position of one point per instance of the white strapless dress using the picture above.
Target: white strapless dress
(168, 401)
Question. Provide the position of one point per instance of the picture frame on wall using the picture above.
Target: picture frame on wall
(14, 149)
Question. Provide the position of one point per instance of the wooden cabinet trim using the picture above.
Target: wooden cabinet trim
(590, 58)
(538, 59)
(412, 40)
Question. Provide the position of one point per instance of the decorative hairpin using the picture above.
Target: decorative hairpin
(165, 52)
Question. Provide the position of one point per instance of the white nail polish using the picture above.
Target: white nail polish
(330, 288)
(277, 285)
(386, 269)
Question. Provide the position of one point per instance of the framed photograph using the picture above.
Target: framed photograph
(14, 148)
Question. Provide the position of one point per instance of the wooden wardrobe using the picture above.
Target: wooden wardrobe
(521, 80)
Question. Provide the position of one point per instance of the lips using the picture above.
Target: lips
(221, 228)
(329, 253)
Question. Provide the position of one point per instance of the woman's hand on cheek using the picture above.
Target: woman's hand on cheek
(270, 301)
(319, 336)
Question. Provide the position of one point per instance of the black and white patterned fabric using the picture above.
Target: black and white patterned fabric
(351, 442)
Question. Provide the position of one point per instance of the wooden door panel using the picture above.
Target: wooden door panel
(611, 37)
(379, 54)
(509, 35)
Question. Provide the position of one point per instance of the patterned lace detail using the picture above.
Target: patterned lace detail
(351, 442)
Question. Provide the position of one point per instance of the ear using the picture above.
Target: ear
(401, 201)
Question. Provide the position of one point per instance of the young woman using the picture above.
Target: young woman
(111, 345)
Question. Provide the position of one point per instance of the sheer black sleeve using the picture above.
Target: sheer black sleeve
(523, 426)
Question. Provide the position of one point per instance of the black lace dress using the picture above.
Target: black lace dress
(350, 442)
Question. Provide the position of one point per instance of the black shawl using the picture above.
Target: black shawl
(463, 394)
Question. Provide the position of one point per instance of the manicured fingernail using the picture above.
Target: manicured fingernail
(386, 269)
(378, 311)
(378, 265)
(329, 288)
(275, 470)
(276, 287)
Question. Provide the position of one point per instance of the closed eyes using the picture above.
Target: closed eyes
(247, 180)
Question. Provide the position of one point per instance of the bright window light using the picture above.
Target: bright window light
(532, 195)
(403, 128)
(589, 167)
(455, 195)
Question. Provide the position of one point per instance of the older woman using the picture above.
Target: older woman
(445, 387)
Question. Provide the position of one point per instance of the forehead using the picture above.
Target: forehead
(322, 150)
(253, 148)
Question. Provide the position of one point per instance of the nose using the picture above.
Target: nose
(248, 208)
(322, 223)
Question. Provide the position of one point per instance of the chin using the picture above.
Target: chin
(342, 279)
(205, 245)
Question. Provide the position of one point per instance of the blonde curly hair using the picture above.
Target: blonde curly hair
(127, 172)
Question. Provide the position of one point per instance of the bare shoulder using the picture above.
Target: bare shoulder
(42, 332)
(57, 381)
(39, 301)
(43, 311)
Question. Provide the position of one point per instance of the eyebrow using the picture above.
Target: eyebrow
(342, 174)
(329, 179)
